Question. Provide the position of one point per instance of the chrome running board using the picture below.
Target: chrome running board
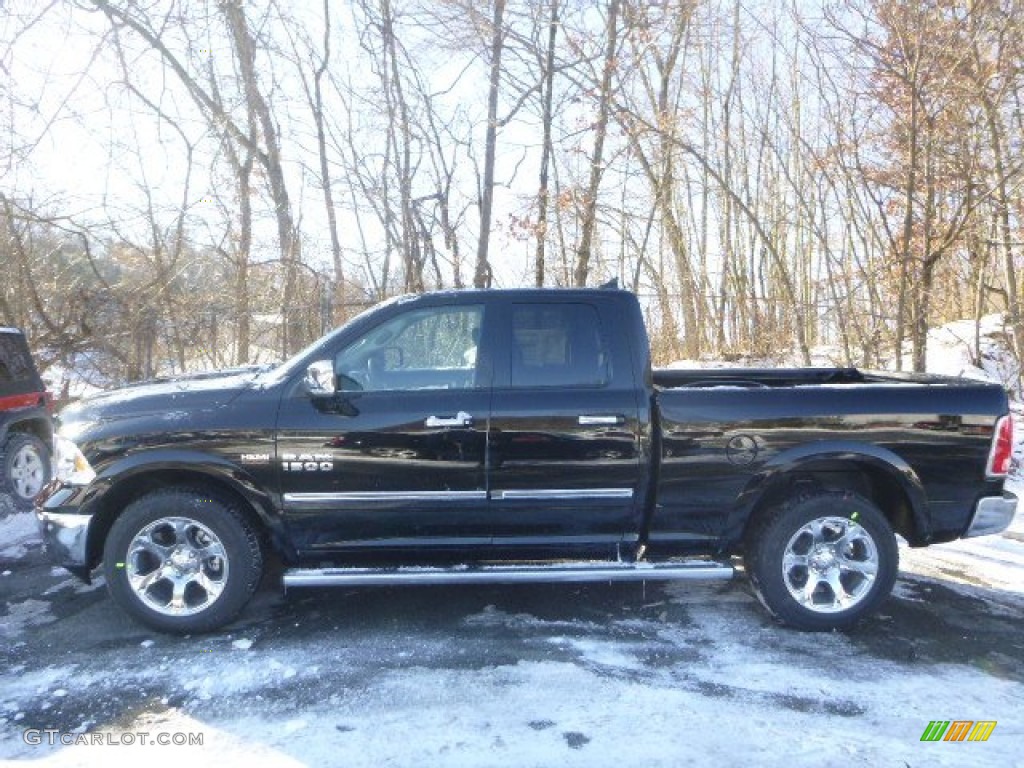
(691, 570)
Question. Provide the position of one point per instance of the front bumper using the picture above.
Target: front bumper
(992, 515)
(66, 537)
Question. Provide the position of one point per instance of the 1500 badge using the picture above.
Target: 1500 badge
(307, 462)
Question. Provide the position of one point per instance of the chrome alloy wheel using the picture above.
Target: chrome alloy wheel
(28, 472)
(830, 564)
(177, 566)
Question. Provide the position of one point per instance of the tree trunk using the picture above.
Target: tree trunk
(243, 45)
(482, 275)
(583, 251)
(1002, 213)
(919, 345)
(321, 144)
(412, 253)
(543, 197)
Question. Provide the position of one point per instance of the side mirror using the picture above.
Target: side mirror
(320, 379)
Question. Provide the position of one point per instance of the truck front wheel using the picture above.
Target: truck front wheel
(181, 561)
(822, 561)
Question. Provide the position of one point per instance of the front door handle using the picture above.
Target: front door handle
(462, 419)
(603, 420)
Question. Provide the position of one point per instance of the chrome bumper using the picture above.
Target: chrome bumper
(66, 536)
(992, 515)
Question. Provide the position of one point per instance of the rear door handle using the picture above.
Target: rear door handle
(462, 419)
(589, 420)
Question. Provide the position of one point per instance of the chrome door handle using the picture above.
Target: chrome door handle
(601, 420)
(462, 419)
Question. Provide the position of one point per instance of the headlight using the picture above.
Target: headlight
(70, 465)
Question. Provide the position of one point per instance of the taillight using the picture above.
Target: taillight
(1002, 449)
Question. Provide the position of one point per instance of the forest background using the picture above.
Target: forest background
(192, 184)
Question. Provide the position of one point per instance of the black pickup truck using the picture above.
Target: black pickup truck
(511, 436)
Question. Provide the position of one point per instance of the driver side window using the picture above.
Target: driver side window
(428, 348)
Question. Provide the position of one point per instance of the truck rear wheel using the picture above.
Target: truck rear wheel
(182, 561)
(25, 462)
(822, 561)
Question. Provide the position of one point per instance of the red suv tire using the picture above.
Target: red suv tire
(26, 431)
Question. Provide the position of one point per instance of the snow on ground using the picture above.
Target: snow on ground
(694, 675)
(527, 714)
(710, 685)
(952, 351)
(18, 530)
(991, 561)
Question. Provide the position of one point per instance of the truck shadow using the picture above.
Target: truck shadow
(929, 620)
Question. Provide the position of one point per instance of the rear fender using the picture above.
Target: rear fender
(832, 454)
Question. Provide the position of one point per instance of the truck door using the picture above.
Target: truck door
(565, 444)
(395, 459)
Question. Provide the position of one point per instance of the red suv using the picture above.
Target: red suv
(26, 431)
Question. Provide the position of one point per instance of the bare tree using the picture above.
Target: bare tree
(547, 117)
(268, 155)
(482, 273)
(604, 99)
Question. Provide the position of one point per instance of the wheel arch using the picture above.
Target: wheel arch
(874, 472)
(233, 488)
(33, 422)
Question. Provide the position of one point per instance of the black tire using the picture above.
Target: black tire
(26, 467)
(822, 561)
(182, 561)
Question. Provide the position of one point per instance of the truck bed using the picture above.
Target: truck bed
(675, 378)
(726, 431)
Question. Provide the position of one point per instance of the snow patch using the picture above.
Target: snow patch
(975, 351)
(603, 653)
(25, 615)
(19, 531)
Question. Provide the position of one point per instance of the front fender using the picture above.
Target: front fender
(130, 475)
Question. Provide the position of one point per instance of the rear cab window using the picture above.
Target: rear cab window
(558, 345)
